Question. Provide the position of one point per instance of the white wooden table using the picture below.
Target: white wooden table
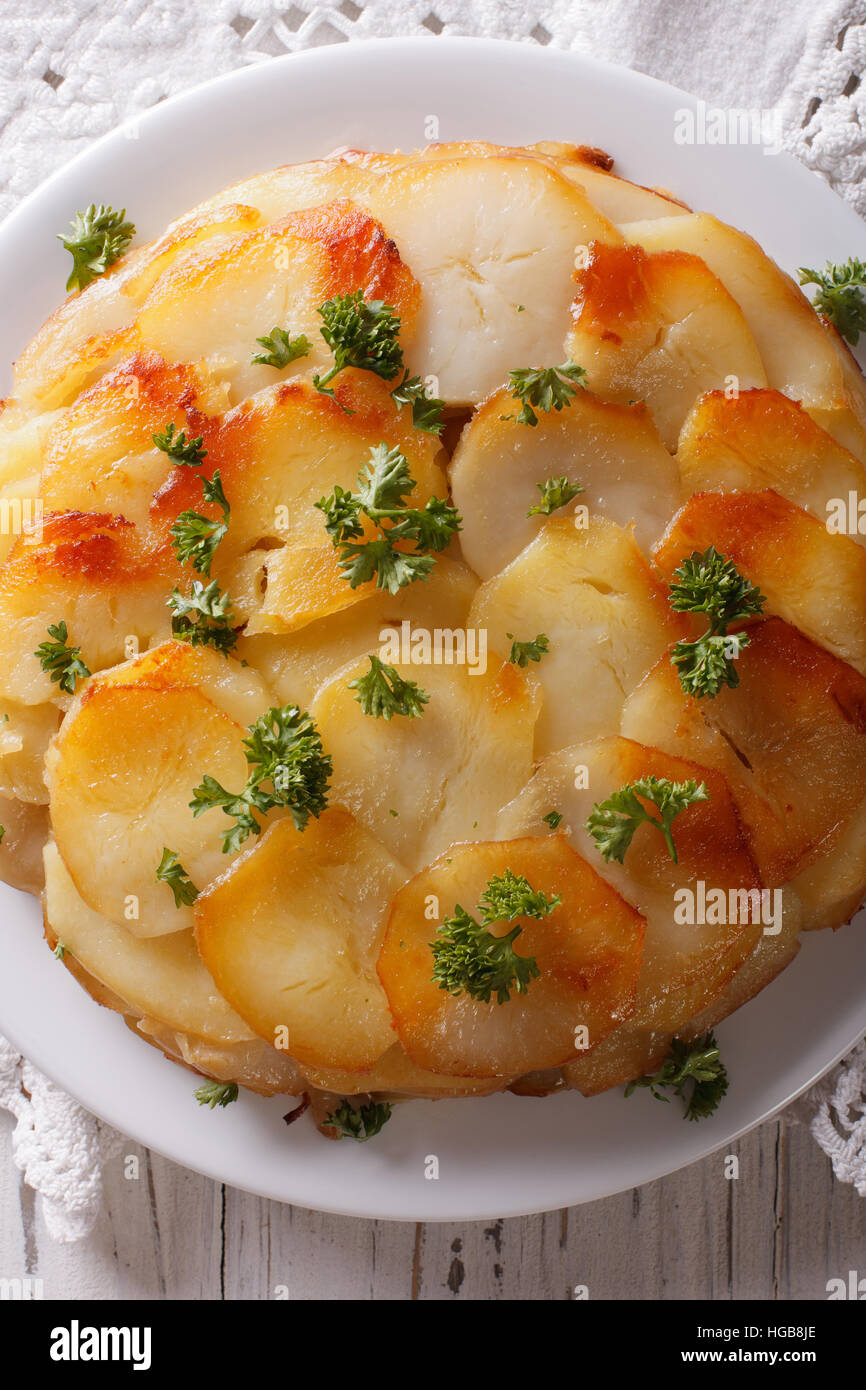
(779, 1231)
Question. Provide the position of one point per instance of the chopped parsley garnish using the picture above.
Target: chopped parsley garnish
(181, 451)
(469, 959)
(545, 388)
(553, 819)
(196, 537)
(840, 295)
(360, 333)
(171, 871)
(613, 822)
(383, 692)
(523, 652)
(217, 1093)
(361, 1123)
(426, 410)
(288, 768)
(62, 662)
(203, 617)
(709, 583)
(59, 950)
(555, 493)
(697, 1063)
(98, 238)
(279, 349)
(383, 488)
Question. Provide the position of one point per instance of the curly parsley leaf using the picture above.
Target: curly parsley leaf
(840, 295)
(555, 493)
(523, 652)
(711, 584)
(613, 822)
(62, 662)
(98, 237)
(360, 1124)
(203, 617)
(279, 349)
(181, 451)
(360, 333)
(426, 409)
(384, 486)
(470, 959)
(289, 768)
(545, 388)
(171, 871)
(697, 1064)
(196, 537)
(382, 692)
(217, 1093)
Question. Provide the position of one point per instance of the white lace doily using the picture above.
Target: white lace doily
(71, 70)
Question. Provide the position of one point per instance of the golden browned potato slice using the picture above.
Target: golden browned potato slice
(100, 455)
(612, 451)
(95, 573)
(291, 935)
(791, 741)
(492, 244)
(685, 965)
(812, 579)
(297, 664)
(252, 1063)
(22, 438)
(659, 328)
(92, 328)
(587, 951)
(215, 305)
(420, 784)
(396, 1074)
(25, 830)
(625, 1054)
(592, 594)
(761, 439)
(121, 775)
(25, 731)
(162, 978)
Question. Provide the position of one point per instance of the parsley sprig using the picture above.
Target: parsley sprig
(171, 871)
(359, 1123)
(709, 583)
(62, 662)
(203, 617)
(545, 388)
(98, 238)
(196, 537)
(288, 768)
(383, 488)
(840, 295)
(613, 822)
(279, 348)
(217, 1093)
(469, 959)
(426, 409)
(382, 692)
(182, 451)
(363, 333)
(555, 493)
(523, 652)
(697, 1063)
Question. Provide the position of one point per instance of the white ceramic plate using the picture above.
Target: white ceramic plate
(504, 1155)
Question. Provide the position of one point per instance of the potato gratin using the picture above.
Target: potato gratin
(433, 629)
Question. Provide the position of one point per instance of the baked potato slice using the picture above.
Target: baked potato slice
(395, 1074)
(658, 327)
(587, 951)
(790, 741)
(421, 784)
(592, 594)
(162, 978)
(121, 774)
(291, 934)
(613, 452)
(685, 965)
(814, 580)
(761, 439)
